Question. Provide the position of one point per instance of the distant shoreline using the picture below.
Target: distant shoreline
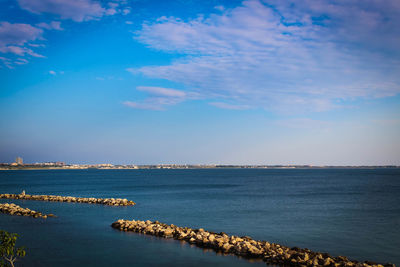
(191, 167)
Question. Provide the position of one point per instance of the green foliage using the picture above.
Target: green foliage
(8, 252)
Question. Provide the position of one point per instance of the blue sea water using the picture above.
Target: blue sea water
(351, 212)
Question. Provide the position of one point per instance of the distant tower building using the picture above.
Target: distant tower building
(19, 161)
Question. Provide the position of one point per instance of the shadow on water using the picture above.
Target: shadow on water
(185, 245)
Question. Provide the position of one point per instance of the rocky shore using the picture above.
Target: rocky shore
(242, 246)
(90, 200)
(13, 209)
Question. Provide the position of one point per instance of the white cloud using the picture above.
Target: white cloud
(6, 62)
(21, 61)
(297, 56)
(76, 10)
(18, 33)
(126, 11)
(52, 72)
(111, 11)
(20, 51)
(37, 45)
(113, 5)
(54, 25)
(149, 104)
(159, 97)
(14, 39)
(220, 8)
(229, 106)
(161, 91)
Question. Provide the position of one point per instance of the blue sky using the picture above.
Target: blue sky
(225, 82)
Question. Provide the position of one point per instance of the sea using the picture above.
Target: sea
(349, 212)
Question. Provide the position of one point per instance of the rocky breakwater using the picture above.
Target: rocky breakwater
(90, 200)
(13, 209)
(242, 246)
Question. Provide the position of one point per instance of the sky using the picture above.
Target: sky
(200, 82)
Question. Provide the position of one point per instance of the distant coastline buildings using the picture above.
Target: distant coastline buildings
(58, 165)
(18, 161)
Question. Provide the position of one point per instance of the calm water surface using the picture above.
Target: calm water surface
(355, 213)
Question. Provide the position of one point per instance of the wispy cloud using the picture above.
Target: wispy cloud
(21, 61)
(152, 103)
(147, 106)
(77, 10)
(54, 73)
(15, 39)
(18, 50)
(37, 45)
(126, 11)
(220, 8)
(224, 105)
(6, 62)
(54, 25)
(112, 10)
(161, 91)
(295, 55)
(18, 34)
(20, 38)
(158, 98)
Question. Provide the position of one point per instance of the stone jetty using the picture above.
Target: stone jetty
(90, 200)
(13, 209)
(242, 246)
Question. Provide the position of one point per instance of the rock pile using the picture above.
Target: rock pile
(13, 209)
(90, 200)
(242, 246)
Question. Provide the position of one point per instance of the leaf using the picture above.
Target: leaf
(7, 247)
